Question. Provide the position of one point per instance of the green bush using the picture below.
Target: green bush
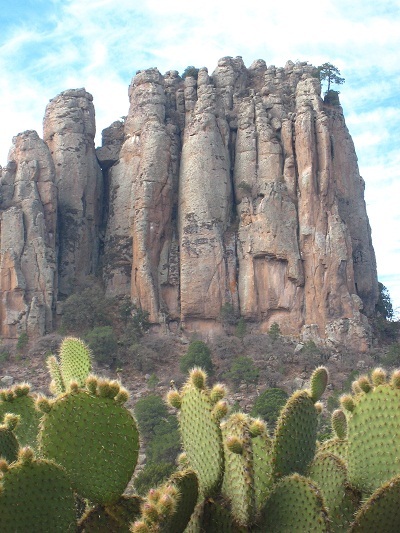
(198, 354)
(23, 340)
(243, 369)
(86, 309)
(240, 330)
(274, 331)
(149, 412)
(152, 475)
(190, 71)
(227, 314)
(103, 344)
(165, 443)
(269, 404)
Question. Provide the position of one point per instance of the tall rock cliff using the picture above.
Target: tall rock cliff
(237, 189)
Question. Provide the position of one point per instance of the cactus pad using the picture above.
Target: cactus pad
(381, 512)
(95, 439)
(295, 504)
(238, 484)
(295, 436)
(19, 401)
(75, 361)
(373, 437)
(318, 383)
(36, 496)
(201, 435)
(330, 474)
(8, 441)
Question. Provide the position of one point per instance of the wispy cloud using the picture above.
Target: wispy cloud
(48, 46)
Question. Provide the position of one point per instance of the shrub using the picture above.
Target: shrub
(240, 330)
(86, 309)
(198, 354)
(332, 97)
(23, 340)
(274, 331)
(165, 443)
(269, 404)
(227, 314)
(243, 369)
(152, 475)
(103, 344)
(190, 71)
(149, 412)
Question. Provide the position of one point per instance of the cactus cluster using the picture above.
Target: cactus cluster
(233, 477)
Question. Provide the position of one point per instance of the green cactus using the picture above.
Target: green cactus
(381, 512)
(19, 401)
(238, 484)
(318, 383)
(169, 508)
(337, 445)
(374, 434)
(98, 520)
(8, 441)
(295, 437)
(262, 461)
(217, 518)
(35, 496)
(74, 365)
(201, 432)
(115, 518)
(330, 475)
(295, 504)
(93, 437)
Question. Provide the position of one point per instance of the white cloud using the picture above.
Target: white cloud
(100, 44)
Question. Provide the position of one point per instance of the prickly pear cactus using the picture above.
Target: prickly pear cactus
(93, 436)
(199, 421)
(295, 437)
(115, 518)
(374, 432)
(338, 443)
(295, 504)
(35, 496)
(74, 365)
(330, 475)
(238, 484)
(381, 512)
(169, 508)
(8, 442)
(262, 461)
(19, 401)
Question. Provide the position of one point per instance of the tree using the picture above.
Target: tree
(190, 71)
(269, 404)
(243, 369)
(384, 306)
(198, 354)
(103, 343)
(331, 74)
(150, 412)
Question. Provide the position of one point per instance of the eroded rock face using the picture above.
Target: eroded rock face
(69, 130)
(271, 215)
(240, 188)
(28, 261)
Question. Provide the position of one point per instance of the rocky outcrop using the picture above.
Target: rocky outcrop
(28, 261)
(237, 189)
(69, 129)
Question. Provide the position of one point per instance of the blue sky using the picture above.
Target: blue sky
(47, 46)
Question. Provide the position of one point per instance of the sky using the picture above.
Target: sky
(48, 46)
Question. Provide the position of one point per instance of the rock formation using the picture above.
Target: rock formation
(240, 188)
